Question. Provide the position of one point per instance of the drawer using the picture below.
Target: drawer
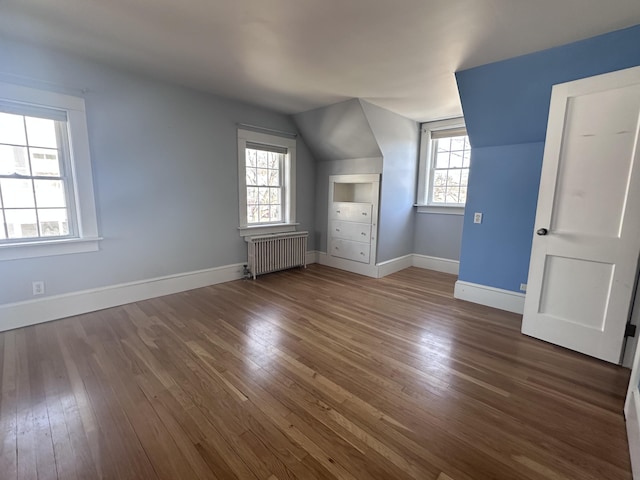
(356, 251)
(358, 232)
(351, 212)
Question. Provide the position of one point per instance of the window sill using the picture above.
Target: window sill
(441, 210)
(45, 248)
(267, 229)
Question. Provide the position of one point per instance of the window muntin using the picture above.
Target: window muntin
(449, 172)
(264, 183)
(34, 189)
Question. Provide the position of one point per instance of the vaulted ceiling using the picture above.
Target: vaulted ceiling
(295, 55)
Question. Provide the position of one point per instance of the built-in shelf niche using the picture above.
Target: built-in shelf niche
(353, 192)
(353, 223)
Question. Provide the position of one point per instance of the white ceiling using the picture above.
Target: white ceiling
(295, 55)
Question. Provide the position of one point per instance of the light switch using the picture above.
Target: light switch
(477, 217)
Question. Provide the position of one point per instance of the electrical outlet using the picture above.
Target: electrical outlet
(38, 288)
(523, 287)
(477, 217)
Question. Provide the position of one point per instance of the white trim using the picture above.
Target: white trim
(312, 256)
(12, 251)
(30, 312)
(267, 229)
(394, 265)
(424, 166)
(348, 265)
(444, 265)
(490, 296)
(440, 209)
(289, 175)
(633, 431)
(388, 267)
(81, 176)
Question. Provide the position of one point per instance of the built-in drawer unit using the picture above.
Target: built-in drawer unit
(351, 212)
(356, 251)
(358, 232)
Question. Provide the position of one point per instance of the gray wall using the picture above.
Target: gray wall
(438, 235)
(398, 138)
(337, 132)
(165, 173)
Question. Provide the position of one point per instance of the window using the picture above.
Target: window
(266, 168)
(445, 156)
(46, 191)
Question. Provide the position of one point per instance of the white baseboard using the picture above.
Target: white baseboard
(394, 265)
(492, 297)
(312, 257)
(633, 431)
(438, 264)
(30, 312)
(348, 265)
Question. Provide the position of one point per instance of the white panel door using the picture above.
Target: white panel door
(585, 250)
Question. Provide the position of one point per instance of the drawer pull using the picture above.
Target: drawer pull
(364, 234)
(337, 211)
(337, 229)
(364, 213)
(362, 253)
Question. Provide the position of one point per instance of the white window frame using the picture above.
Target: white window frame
(85, 237)
(288, 182)
(425, 171)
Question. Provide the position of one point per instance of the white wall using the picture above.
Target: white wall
(165, 167)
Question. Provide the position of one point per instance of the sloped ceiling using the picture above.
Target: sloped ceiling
(297, 55)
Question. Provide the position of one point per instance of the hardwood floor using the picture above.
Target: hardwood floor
(306, 374)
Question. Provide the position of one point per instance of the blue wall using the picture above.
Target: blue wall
(506, 105)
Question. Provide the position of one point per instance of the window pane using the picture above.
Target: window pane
(467, 145)
(21, 223)
(438, 194)
(252, 176)
(44, 162)
(440, 178)
(455, 160)
(274, 196)
(13, 160)
(251, 156)
(3, 236)
(265, 214)
(442, 159)
(17, 193)
(50, 193)
(457, 143)
(275, 213)
(467, 158)
(464, 179)
(262, 159)
(12, 129)
(452, 195)
(274, 160)
(274, 178)
(463, 195)
(263, 196)
(263, 176)
(252, 214)
(252, 196)
(41, 132)
(453, 178)
(53, 222)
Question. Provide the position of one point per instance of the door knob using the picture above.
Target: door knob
(542, 231)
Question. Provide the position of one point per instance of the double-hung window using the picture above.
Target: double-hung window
(445, 157)
(266, 169)
(46, 191)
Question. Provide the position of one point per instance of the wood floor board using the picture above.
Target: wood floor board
(306, 374)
